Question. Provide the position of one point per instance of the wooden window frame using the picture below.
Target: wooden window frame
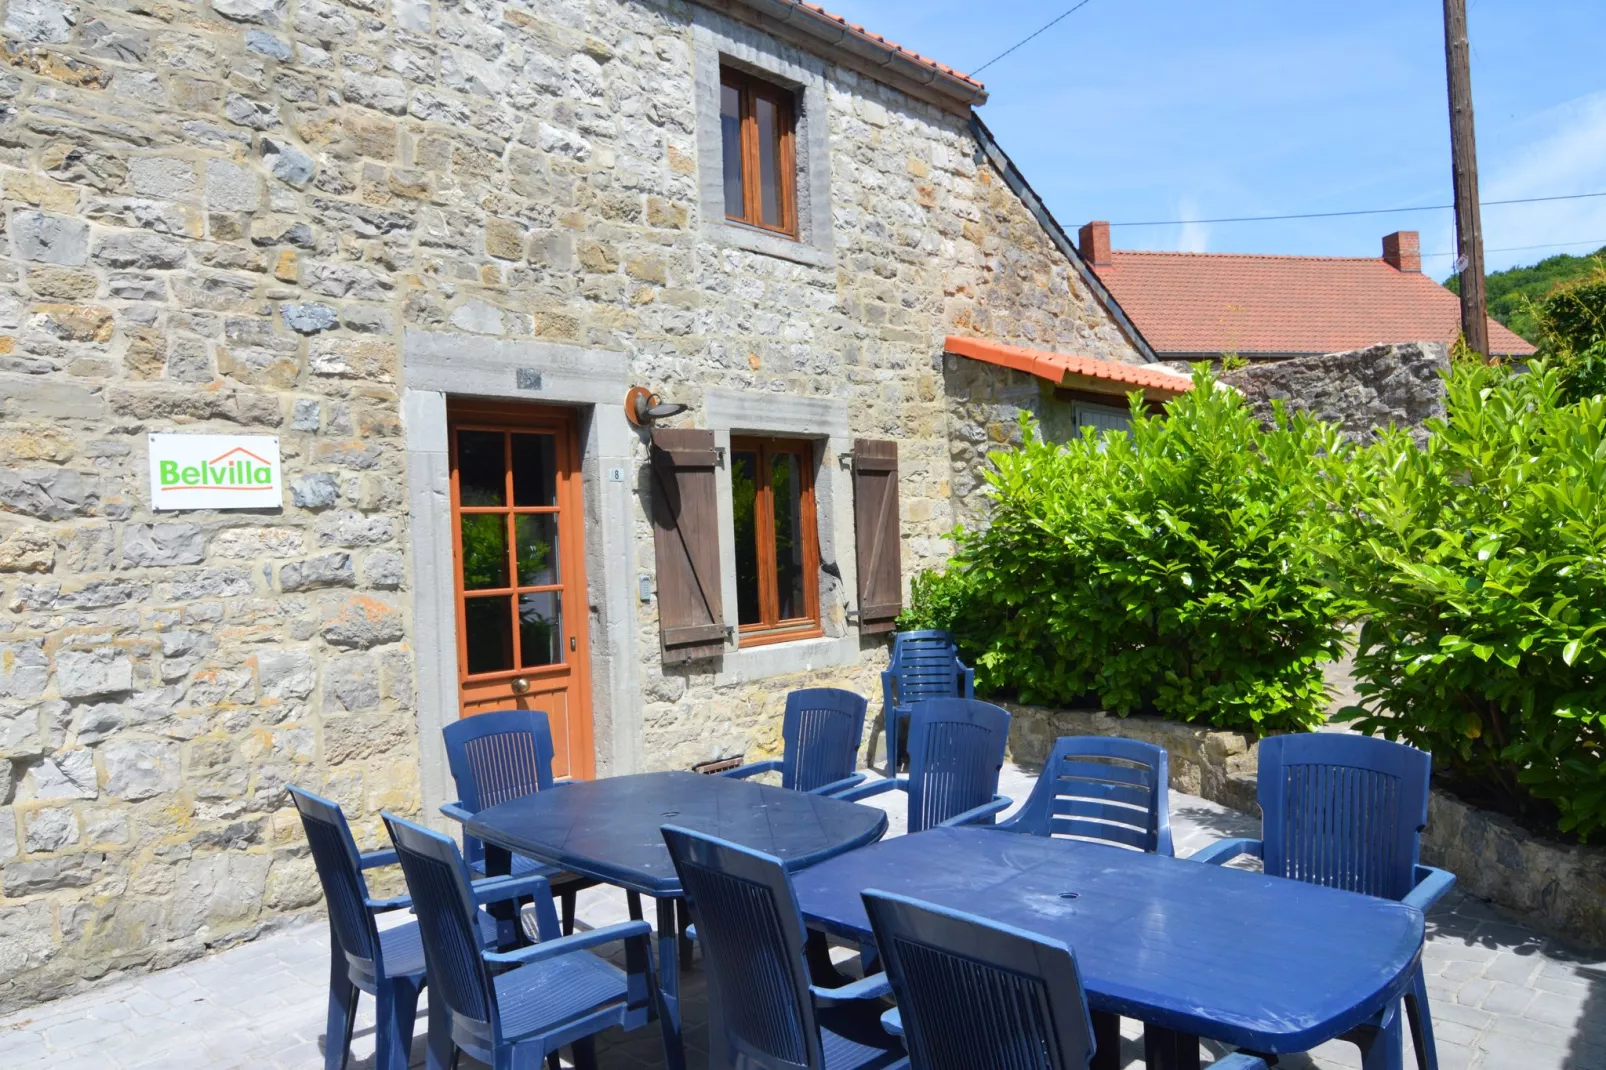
(750, 89)
(771, 629)
(509, 421)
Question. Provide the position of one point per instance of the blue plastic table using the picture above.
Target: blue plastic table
(608, 830)
(1262, 963)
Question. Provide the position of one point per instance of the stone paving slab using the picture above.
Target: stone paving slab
(1503, 997)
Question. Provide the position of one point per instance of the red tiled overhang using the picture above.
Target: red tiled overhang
(1064, 369)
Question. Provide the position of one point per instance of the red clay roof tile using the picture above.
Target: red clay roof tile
(1056, 367)
(924, 61)
(1207, 303)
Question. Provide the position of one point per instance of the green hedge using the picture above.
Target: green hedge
(1203, 568)
(1478, 562)
(1170, 570)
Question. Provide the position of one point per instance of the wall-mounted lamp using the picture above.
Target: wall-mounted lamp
(642, 407)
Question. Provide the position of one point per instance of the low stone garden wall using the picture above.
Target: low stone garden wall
(1558, 889)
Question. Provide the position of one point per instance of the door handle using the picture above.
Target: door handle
(520, 685)
(573, 644)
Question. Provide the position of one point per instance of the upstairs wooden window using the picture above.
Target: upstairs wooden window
(758, 127)
(777, 540)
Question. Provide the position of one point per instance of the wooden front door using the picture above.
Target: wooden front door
(519, 559)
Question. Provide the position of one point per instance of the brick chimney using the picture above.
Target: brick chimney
(1093, 242)
(1403, 251)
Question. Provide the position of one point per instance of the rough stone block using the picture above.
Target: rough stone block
(384, 570)
(292, 882)
(232, 188)
(80, 674)
(329, 570)
(351, 683)
(360, 621)
(140, 249)
(41, 21)
(265, 44)
(250, 543)
(24, 668)
(50, 239)
(151, 545)
(270, 12)
(140, 769)
(162, 177)
(217, 891)
(289, 674)
(309, 319)
(27, 550)
(50, 829)
(352, 529)
(66, 774)
(49, 493)
(310, 491)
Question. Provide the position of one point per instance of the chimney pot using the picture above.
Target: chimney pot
(1093, 242)
(1402, 250)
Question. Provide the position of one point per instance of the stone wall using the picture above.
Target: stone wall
(1360, 390)
(1557, 888)
(223, 218)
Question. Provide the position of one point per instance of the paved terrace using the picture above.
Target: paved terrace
(1503, 997)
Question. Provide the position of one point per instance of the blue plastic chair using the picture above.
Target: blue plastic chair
(1347, 811)
(1100, 788)
(516, 1008)
(497, 756)
(924, 665)
(956, 751)
(765, 1012)
(822, 731)
(388, 964)
(972, 993)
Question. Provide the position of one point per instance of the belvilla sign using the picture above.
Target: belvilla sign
(215, 472)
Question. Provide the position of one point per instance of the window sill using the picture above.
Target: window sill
(747, 640)
(766, 243)
(751, 663)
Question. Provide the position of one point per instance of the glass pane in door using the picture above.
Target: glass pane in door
(535, 470)
(484, 551)
(744, 502)
(786, 485)
(488, 628)
(481, 468)
(540, 628)
(536, 535)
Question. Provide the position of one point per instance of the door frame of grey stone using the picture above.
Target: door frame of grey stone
(593, 381)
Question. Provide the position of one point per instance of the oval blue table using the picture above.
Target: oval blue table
(1262, 963)
(608, 830)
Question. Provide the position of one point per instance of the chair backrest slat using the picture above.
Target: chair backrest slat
(443, 898)
(822, 732)
(956, 752)
(752, 937)
(1102, 788)
(345, 892)
(972, 993)
(497, 756)
(1344, 811)
(925, 665)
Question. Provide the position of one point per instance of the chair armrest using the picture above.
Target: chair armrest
(496, 889)
(1225, 851)
(873, 987)
(892, 1022)
(975, 814)
(456, 811)
(375, 859)
(875, 787)
(742, 772)
(1238, 1061)
(888, 678)
(396, 902)
(970, 678)
(1431, 884)
(840, 785)
(563, 945)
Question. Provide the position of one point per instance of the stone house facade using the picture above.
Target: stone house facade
(334, 223)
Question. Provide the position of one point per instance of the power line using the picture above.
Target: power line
(1046, 26)
(1357, 211)
(1524, 248)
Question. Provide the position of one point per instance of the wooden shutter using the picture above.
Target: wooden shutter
(875, 520)
(685, 529)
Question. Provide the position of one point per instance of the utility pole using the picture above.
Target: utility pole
(1464, 164)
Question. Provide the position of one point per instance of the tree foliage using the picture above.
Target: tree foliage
(1513, 292)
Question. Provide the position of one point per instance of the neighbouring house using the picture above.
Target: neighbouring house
(1199, 306)
(405, 260)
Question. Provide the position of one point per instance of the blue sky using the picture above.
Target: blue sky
(1186, 109)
